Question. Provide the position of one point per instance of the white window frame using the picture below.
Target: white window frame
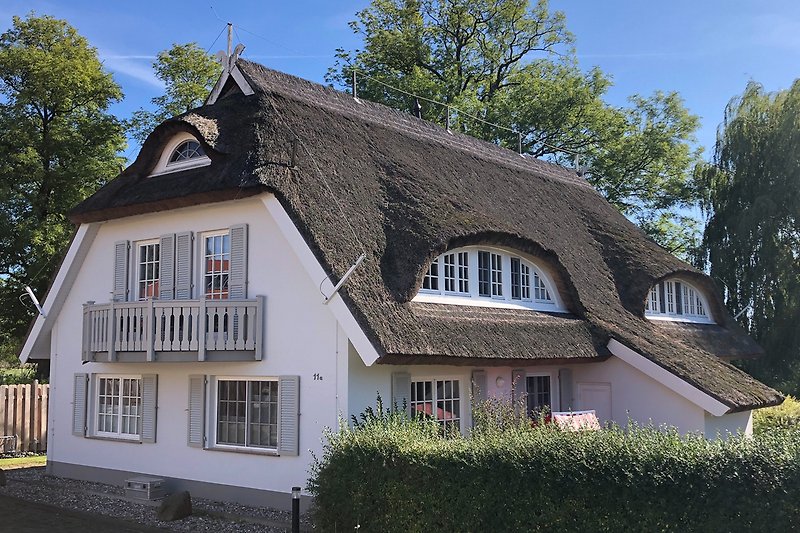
(213, 421)
(96, 393)
(201, 253)
(673, 315)
(504, 300)
(462, 422)
(554, 397)
(136, 264)
(163, 166)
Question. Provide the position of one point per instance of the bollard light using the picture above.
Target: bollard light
(295, 509)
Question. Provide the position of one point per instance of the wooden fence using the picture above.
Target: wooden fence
(23, 417)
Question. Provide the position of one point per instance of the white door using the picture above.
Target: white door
(595, 396)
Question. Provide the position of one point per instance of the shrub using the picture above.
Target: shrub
(390, 473)
(785, 415)
(16, 376)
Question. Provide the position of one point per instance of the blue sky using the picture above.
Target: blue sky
(705, 50)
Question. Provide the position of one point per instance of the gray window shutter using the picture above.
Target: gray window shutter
(149, 406)
(401, 391)
(120, 292)
(183, 266)
(197, 411)
(565, 389)
(166, 267)
(237, 280)
(289, 423)
(519, 391)
(79, 399)
(479, 384)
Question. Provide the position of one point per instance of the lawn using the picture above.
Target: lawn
(23, 462)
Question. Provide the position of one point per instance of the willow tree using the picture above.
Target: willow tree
(752, 237)
(512, 65)
(58, 144)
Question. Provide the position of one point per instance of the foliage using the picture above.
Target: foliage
(17, 376)
(58, 144)
(752, 238)
(785, 415)
(512, 65)
(393, 474)
(189, 74)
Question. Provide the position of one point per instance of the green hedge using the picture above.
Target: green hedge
(785, 415)
(390, 474)
(17, 376)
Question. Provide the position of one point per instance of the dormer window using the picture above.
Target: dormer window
(678, 300)
(485, 276)
(183, 151)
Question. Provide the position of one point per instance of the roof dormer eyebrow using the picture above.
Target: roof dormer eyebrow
(677, 299)
(181, 152)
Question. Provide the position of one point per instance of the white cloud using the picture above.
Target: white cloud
(138, 67)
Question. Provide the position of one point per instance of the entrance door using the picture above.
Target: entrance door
(595, 396)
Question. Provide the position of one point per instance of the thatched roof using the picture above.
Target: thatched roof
(411, 190)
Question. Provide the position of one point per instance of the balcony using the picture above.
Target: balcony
(174, 330)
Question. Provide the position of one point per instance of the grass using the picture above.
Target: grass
(23, 462)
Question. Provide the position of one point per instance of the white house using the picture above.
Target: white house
(280, 256)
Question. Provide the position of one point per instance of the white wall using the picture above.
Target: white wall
(302, 338)
(727, 425)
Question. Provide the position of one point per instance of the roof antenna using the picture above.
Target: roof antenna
(417, 108)
(33, 298)
(230, 39)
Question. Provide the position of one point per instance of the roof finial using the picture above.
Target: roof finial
(230, 38)
(228, 60)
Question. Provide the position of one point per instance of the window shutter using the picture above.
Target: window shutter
(81, 382)
(478, 391)
(565, 389)
(149, 406)
(183, 266)
(237, 280)
(289, 424)
(197, 411)
(120, 292)
(519, 391)
(166, 267)
(401, 391)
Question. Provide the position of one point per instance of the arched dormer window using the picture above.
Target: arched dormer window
(182, 152)
(676, 299)
(487, 276)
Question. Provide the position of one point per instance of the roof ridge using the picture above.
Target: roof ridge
(339, 102)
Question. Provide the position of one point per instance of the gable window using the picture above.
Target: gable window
(474, 275)
(247, 413)
(439, 399)
(675, 299)
(216, 261)
(148, 263)
(185, 151)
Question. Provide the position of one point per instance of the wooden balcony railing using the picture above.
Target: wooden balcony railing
(174, 330)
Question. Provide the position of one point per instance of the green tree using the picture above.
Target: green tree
(189, 74)
(752, 238)
(512, 65)
(58, 144)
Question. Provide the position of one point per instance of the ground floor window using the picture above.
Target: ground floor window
(538, 395)
(247, 413)
(438, 398)
(119, 402)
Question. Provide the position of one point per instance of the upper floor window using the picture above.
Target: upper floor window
(478, 275)
(147, 272)
(216, 260)
(674, 299)
(182, 152)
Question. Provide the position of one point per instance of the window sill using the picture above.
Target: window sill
(248, 451)
(114, 439)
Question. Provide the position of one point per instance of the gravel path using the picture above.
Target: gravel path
(32, 484)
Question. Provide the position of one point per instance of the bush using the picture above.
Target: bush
(16, 376)
(785, 415)
(389, 473)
